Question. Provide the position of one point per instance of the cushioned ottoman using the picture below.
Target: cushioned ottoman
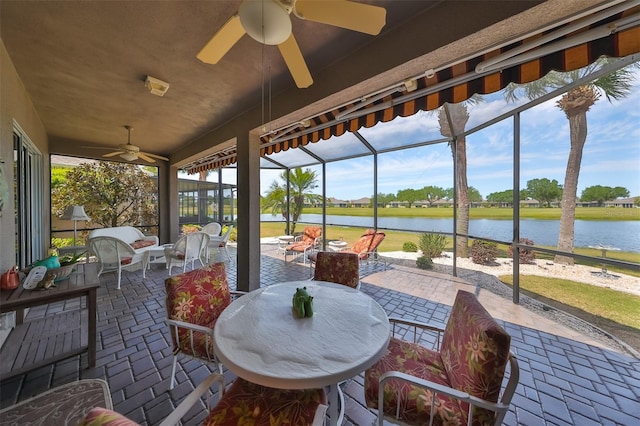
(63, 405)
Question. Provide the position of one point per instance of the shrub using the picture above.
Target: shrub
(424, 262)
(189, 228)
(483, 252)
(409, 247)
(527, 256)
(432, 244)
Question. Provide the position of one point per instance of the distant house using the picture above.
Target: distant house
(626, 203)
(442, 203)
(396, 204)
(337, 203)
(361, 202)
(530, 202)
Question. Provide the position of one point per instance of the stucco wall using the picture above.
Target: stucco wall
(16, 106)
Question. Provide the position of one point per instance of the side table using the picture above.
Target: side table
(337, 245)
(35, 343)
(283, 242)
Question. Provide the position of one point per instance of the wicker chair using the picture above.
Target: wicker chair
(114, 255)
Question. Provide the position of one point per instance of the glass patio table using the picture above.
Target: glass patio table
(258, 338)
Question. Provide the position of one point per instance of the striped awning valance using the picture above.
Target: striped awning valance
(405, 102)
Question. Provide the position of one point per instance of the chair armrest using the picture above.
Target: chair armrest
(152, 238)
(184, 407)
(439, 330)
(320, 417)
(436, 388)
(189, 326)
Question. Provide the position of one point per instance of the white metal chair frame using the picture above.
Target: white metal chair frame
(192, 246)
(216, 243)
(500, 408)
(213, 229)
(175, 326)
(111, 251)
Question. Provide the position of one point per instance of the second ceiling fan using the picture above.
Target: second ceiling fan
(268, 22)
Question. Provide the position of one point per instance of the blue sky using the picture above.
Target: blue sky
(611, 154)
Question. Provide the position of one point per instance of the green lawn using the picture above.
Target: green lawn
(616, 306)
(395, 239)
(582, 213)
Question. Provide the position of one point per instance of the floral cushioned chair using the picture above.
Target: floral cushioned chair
(194, 302)
(416, 385)
(337, 267)
(306, 242)
(243, 403)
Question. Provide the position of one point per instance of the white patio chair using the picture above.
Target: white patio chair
(113, 254)
(189, 248)
(213, 229)
(220, 242)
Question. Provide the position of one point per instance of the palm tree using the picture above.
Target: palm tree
(300, 183)
(459, 117)
(575, 104)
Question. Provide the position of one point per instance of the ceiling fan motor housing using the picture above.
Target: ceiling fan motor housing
(266, 22)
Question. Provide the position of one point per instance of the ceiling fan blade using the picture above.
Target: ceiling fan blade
(146, 157)
(361, 17)
(113, 154)
(159, 157)
(222, 41)
(295, 61)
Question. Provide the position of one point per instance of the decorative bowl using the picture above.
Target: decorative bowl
(63, 272)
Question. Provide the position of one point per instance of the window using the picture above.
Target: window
(27, 168)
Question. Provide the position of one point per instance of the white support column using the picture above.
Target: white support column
(248, 172)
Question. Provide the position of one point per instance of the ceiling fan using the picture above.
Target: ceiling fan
(131, 152)
(268, 22)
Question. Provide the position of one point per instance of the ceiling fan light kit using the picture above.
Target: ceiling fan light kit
(266, 22)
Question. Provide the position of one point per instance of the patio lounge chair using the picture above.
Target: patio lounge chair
(189, 248)
(114, 255)
(366, 247)
(194, 301)
(305, 243)
(458, 383)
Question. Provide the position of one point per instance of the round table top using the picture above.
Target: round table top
(286, 237)
(258, 338)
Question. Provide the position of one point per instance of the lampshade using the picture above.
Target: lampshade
(128, 156)
(75, 213)
(265, 21)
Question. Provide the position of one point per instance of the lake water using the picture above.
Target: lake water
(624, 235)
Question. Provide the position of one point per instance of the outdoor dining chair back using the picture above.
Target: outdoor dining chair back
(242, 403)
(195, 300)
(189, 248)
(338, 267)
(114, 255)
(213, 229)
(459, 382)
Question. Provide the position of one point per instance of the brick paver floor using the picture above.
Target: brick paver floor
(566, 377)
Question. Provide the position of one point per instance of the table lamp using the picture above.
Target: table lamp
(75, 213)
